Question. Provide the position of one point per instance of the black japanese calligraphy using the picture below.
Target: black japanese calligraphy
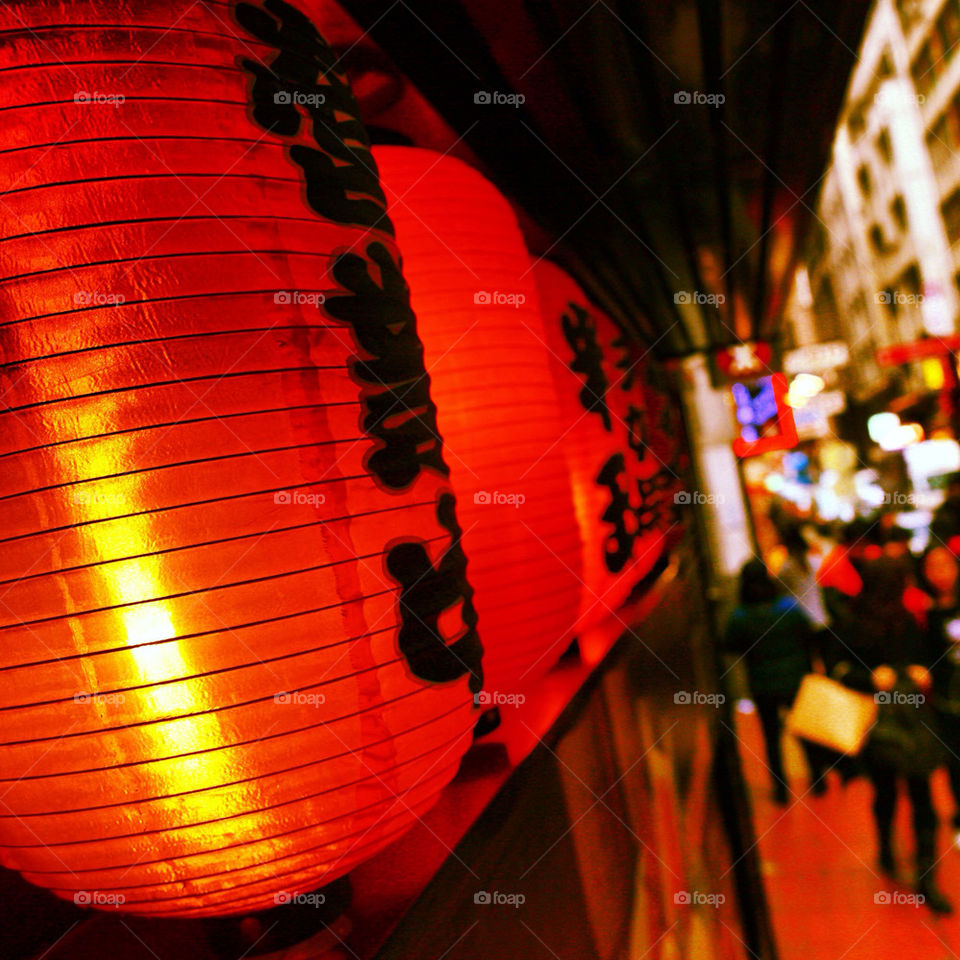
(398, 410)
(581, 333)
(428, 591)
(303, 77)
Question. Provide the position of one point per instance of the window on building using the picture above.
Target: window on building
(910, 281)
(857, 317)
(922, 69)
(943, 130)
(864, 179)
(948, 27)
(937, 54)
(825, 305)
(937, 142)
(888, 297)
(857, 123)
(898, 210)
(877, 240)
(906, 300)
(885, 67)
(884, 147)
(943, 138)
(910, 11)
(952, 117)
(951, 215)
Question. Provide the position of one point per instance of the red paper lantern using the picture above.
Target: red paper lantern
(236, 633)
(477, 311)
(622, 479)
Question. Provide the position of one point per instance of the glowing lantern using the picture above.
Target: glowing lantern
(236, 638)
(623, 489)
(477, 312)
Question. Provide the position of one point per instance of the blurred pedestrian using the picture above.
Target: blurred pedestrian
(940, 576)
(946, 518)
(896, 543)
(886, 655)
(799, 580)
(839, 579)
(773, 635)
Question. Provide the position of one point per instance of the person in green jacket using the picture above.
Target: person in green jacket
(773, 635)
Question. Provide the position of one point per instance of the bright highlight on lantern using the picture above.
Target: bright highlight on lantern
(226, 678)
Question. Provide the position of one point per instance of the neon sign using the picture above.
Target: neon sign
(766, 422)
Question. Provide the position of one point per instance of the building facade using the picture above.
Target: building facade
(884, 257)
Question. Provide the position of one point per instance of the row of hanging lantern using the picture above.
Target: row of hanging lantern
(261, 500)
(477, 312)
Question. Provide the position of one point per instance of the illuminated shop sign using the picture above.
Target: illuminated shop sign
(766, 422)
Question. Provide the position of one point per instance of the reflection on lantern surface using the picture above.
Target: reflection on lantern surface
(149, 630)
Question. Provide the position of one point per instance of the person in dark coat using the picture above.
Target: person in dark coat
(840, 582)
(940, 578)
(886, 655)
(773, 635)
(798, 578)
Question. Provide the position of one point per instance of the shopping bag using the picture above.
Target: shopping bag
(826, 712)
